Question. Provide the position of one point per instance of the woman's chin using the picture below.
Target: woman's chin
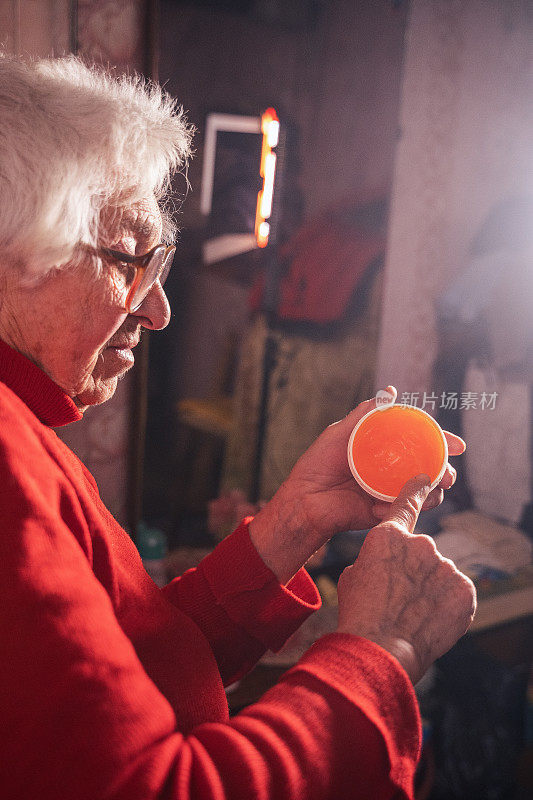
(110, 366)
(98, 391)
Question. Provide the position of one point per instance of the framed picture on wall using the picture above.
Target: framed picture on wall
(230, 185)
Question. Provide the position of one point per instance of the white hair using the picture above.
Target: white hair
(75, 140)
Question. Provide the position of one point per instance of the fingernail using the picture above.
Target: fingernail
(425, 482)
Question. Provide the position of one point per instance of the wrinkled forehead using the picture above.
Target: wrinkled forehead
(140, 220)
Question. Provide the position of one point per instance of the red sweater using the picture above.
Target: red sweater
(112, 688)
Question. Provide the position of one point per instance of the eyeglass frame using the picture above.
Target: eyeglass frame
(141, 264)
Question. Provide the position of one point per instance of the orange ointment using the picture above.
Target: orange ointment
(391, 445)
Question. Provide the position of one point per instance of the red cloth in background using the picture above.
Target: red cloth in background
(327, 259)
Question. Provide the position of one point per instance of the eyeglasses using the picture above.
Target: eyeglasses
(150, 267)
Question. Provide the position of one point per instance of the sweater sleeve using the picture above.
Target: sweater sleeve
(239, 604)
(342, 723)
(82, 720)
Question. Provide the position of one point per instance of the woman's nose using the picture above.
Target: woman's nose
(154, 311)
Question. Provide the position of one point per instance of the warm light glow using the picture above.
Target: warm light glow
(268, 116)
(272, 133)
(262, 234)
(268, 186)
(265, 150)
(267, 170)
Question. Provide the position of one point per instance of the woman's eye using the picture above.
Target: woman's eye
(128, 270)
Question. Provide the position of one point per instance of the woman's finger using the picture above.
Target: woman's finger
(407, 506)
(380, 510)
(456, 445)
(433, 499)
(449, 477)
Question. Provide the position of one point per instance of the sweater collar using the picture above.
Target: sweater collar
(45, 398)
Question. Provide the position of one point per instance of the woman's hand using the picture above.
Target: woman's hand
(320, 498)
(401, 593)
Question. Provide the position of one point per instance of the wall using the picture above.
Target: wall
(339, 83)
(466, 121)
(37, 27)
(349, 109)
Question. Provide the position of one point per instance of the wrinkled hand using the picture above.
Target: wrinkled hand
(320, 498)
(333, 499)
(401, 593)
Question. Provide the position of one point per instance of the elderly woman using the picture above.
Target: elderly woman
(109, 686)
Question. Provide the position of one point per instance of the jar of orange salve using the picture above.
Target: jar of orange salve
(392, 444)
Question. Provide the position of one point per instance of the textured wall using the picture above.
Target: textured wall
(466, 121)
(36, 27)
(339, 83)
(112, 31)
(350, 101)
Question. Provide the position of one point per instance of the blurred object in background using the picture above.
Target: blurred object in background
(325, 263)
(482, 547)
(478, 715)
(152, 546)
(180, 559)
(226, 512)
(486, 347)
(326, 332)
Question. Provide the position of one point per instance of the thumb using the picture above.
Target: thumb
(407, 506)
